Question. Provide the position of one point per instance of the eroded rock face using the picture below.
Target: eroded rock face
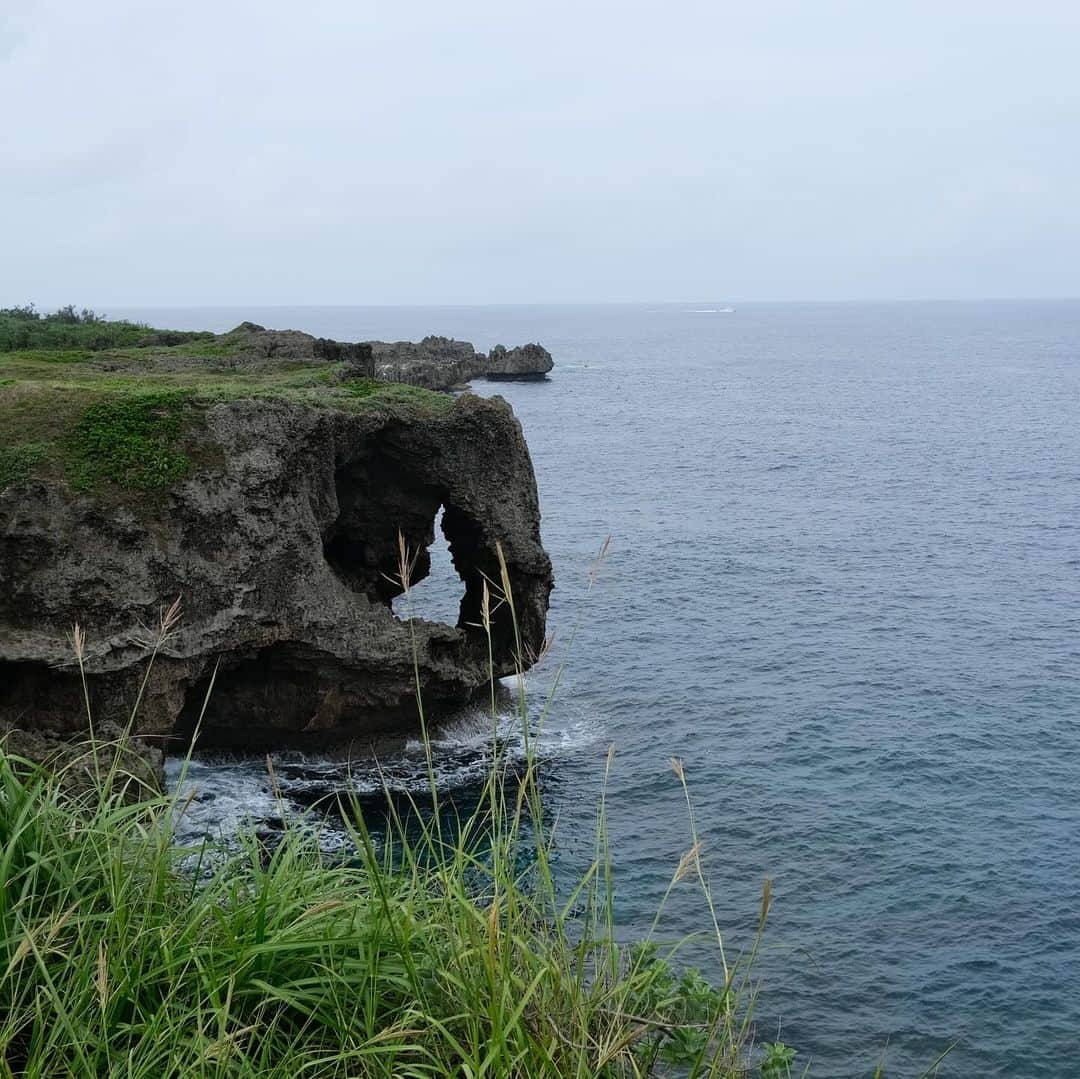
(295, 345)
(523, 362)
(436, 363)
(285, 557)
(441, 363)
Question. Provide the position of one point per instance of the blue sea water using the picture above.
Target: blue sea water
(843, 587)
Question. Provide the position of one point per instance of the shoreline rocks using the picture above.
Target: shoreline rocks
(525, 363)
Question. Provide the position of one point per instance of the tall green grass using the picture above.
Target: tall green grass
(444, 946)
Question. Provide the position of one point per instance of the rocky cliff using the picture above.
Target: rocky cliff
(434, 363)
(526, 362)
(267, 491)
(441, 363)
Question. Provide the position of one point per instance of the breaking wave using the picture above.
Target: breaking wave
(220, 795)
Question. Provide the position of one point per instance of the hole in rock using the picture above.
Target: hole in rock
(436, 596)
(380, 494)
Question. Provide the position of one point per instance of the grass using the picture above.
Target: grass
(101, 413)
(17, 463)
(443, 948)
(137, 433)
(39, 356)
(422, 956)
(131, 440)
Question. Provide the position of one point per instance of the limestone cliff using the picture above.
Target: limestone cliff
(267, 493)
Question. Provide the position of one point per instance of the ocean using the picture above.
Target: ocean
(843, 588)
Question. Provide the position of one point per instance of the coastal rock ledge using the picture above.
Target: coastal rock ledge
(441, 363)
(434, 363)
(281, 542)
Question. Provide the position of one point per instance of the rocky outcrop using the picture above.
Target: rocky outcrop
(527, 362)
(282, 547)
(246, 347)
(436, 363)
(441, 363)
(252, 339)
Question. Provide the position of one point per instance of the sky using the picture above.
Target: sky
(491, 151)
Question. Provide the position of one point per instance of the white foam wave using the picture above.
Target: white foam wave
(223, 795)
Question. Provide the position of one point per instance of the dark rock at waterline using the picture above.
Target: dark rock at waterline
(523, 362)
(283, 548)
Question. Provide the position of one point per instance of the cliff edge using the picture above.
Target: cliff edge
(265, 487)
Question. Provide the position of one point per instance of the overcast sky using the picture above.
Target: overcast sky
(489, 151)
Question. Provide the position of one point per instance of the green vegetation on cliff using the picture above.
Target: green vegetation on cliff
(130, 439)
(98, 403)
(17, 463)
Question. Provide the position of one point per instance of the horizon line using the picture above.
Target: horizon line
(584, 303)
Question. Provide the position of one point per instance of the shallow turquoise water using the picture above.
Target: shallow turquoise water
(842, 587)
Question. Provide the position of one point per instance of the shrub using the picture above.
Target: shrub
(25, 328)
